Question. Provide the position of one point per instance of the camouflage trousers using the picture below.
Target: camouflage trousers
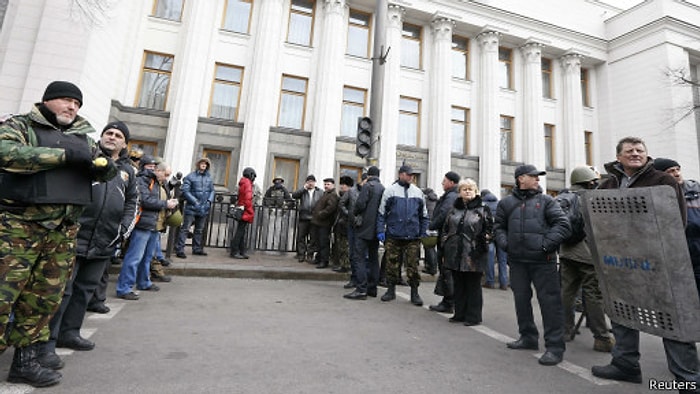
(340, 252)
(398, 251)
(35, 264)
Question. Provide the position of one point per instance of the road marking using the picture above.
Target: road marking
(577, 370)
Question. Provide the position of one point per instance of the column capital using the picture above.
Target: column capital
(571, 62)
(532, 52)
(489, 40)
(442, 28)
(334, 6)
(395, 15)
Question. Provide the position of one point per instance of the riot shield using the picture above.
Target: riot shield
(637, 240)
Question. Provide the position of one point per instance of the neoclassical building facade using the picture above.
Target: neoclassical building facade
(477, 87)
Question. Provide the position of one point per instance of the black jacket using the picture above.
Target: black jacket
(530, 226)
(466, 245)
(150, 204)
(367, 206)
(111, 215)
(443, 206)
(306, 204)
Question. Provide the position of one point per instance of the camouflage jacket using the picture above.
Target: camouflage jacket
(19, 154)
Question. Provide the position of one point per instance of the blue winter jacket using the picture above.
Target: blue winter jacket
(402, 212)
(198, 191)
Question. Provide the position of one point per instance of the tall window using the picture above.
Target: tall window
(411, 46)
(506, 138)
(292, 102)
(301, 22)
(168, 9)
(505, 60)
(220, 162)
(353, 172)
(148, 147)
(358, 34)
(460, 57)
(588, 145)
(353, 108)
(226, 92)
(155, 80)
(237, 15)
(549, 145)
(584, 88)
(460, 130)
(546, 78)
(409, 120)
(287, 169)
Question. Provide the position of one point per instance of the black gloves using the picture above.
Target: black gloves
(78, 157)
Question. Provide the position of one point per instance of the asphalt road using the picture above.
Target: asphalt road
(211, 335)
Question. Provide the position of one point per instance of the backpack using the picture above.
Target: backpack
(569, 203)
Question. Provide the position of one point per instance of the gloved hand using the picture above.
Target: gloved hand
(78, 157)
(381, 237)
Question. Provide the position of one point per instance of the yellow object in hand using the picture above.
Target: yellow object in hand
(100, 162)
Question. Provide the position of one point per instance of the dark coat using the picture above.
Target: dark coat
(691, 191)
(476, 228)
(367, 206)
(325, 210)
(442, 207)
(306, 204)
(530, 226)
(431, 200)
(112, 214)
(198, 191)
(150, 202)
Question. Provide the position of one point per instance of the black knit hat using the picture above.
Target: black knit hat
(663, 164)
(61, 89)
(119, 125)
(453, 176)
(310, 178)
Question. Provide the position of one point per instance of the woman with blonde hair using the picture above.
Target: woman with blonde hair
(466, 234)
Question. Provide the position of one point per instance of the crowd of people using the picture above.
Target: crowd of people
(69, 204)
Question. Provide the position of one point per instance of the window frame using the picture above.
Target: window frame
(465, 52)
(511, 142)
(137, 101)
(368, 28)
(312, 16)
(550, 142)
(225, 82)
(419, 29)
(141, 143)
(509, 66)
(250, 14)
(585, 94)
(352, 103)
(155, 8)
(296, 164)
(588, 146)
(282, 93)
(227, 154)
(408, 113)
(466, 128)
(355, 169)
(547, 91)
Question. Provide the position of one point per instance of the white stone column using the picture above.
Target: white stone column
(440, 133)
(533, 127)
(264, 80)
(329, 90)
(189, 70)
(572, 110)
(390, 99)
(488, 115)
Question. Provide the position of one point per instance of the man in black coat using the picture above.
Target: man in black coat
(308, 196)
(530, 226)
(366, 242)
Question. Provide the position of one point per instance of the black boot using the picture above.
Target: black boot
(47, 357)
(390, 293)
(26, 369)
(415, 298)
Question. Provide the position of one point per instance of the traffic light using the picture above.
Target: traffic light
(364, 137)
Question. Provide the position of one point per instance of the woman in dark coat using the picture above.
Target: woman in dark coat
(466, 234)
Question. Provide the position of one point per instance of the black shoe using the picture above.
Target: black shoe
(429, 272)
(614, 373)
(415, 297)
(349, 285)
(200, 253)
(372, 292)
(152, 287)
(130, 296)
(455, 320)
(161, 278)
(181, 255)
(50, 360)
(245, 256)
(301, 259)
(549, 358)
(523, 344)
(322, 265)
(165, 262)
(238, 256)
(76, 343)
(442, 308)
(356, 295)
(342, 270)
(471, 323)
(98, 308)
(26, 369)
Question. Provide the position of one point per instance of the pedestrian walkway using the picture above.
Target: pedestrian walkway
(261, 265)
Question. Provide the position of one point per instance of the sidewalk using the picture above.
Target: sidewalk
(261, 265)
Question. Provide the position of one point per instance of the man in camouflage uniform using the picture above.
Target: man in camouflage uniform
(401, 222)
(46, 157)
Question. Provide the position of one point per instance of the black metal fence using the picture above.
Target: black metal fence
(274, 227)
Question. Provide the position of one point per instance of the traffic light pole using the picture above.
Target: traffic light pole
(377, 91)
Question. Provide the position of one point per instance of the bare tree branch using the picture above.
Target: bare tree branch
(91, 12)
